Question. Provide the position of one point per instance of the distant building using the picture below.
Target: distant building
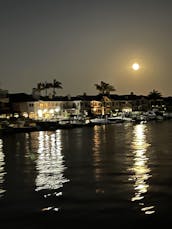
(4, 103)
(46, 108)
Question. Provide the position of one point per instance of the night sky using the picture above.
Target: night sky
(81, 42)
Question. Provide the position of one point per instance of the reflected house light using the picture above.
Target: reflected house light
(2, 170)
(140, 167)
(97, 158)
(50, 163)
(148, 210)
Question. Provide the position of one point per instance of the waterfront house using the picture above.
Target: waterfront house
(46, 108)
(65, 107)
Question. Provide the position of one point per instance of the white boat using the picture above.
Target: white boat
(99, 120)
(115, 119)
(150, 115)
(119, 119)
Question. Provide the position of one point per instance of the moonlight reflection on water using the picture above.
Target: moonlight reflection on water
(140, 167)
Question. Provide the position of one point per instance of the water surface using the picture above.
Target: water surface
(118, 173)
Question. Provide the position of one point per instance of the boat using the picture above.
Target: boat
(99, 121)
(116, 119)
(119, 119)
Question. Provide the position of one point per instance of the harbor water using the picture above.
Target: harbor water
(117, 174)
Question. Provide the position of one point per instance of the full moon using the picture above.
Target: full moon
(135, 66)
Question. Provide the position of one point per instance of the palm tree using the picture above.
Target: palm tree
(153, 96)
(104, 88)
(56, 84)
(40, 87)
(109, 89)
(47, 86)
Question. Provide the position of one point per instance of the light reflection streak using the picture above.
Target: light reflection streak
(140, 167)
(50, 165)
(96, 153)
(2, 171)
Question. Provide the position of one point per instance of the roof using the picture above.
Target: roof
(21, 97)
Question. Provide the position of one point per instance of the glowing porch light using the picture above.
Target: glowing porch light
(16, 115)
(94, 109)
(128, 109)
(51, 111)
(57, 109)
(40, 113)
(25, 114)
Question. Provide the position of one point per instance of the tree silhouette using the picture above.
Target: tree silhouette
(46, 85)
(104, 88)
(56, 84)
(154, 95)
